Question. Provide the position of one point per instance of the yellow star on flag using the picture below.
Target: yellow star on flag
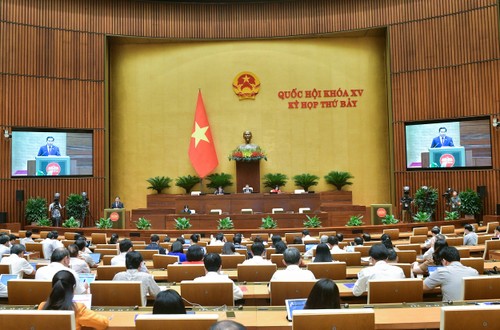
(199, 134)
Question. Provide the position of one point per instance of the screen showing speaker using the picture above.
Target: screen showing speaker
(48, 153)
(448, 144)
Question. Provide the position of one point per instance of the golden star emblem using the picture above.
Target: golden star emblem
(199, 134)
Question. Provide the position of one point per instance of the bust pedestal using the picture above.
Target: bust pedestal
(248, 173)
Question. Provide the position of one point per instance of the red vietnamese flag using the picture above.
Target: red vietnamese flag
(201, 148)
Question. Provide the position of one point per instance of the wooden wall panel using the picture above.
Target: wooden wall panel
(465, 90)
(47, 52)
(50, 102)
(238, 20)
(444, 59)
(467, 37)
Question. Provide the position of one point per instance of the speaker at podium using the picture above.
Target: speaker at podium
(117, 216)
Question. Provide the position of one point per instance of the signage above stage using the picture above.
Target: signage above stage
(321, 98)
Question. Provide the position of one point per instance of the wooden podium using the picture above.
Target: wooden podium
(248, 173)
(117, 216)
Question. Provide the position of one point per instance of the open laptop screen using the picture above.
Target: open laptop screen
(4, 278)
(96, 257)
(292, 305)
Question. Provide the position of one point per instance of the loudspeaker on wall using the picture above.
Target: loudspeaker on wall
(481, 190)
(3, 217)
(19, 195)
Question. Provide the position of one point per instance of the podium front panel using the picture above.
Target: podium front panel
(117, 216)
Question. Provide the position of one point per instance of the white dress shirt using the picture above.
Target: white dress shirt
(18, 266)
(222, 278)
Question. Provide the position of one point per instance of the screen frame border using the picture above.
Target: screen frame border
(444, 121)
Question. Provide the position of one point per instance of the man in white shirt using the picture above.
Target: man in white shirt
(18, 265)
(219, 239)
(213, 265)
(133, 262)
(292, 260)
(59, 260)
(258, 253)
(125, 246)
(75, 262)
(4, 245)
(50, 244)
(27, 239)
(380, 270)
(333, 241)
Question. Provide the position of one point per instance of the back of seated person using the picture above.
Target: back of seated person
(292, 260)
(169, 302)
(213, 267)
(258, 252)
(380, 269)
(194, 255)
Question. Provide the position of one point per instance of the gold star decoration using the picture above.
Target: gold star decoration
(199, 134)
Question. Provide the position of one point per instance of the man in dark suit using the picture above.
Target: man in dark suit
(117, 204)
(442, 140)
(49, 149)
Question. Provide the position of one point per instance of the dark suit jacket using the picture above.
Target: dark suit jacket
(44, 151)
(436, 142)
(118, 205)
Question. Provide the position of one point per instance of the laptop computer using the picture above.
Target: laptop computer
(87, 278)
(4, 278)
(432, 269)
(96, 257)
(292, 305)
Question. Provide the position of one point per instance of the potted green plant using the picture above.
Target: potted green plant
(389, 219)
(470, 202)
(271, 180)
(422, 217)
(43, 222)
(426, 199)
(219, 180)
(74, 206)
(312, 222)
(339, 179)
(159, 183)
(355, 220)
(35, 210)
(451, 215)
(268, 223)
(225, 223)
(187, 182)
(143, 224)
(182, 223)
(305, 180)
(71, 223)
(104, 223)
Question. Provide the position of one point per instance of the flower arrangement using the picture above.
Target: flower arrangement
(247, 155)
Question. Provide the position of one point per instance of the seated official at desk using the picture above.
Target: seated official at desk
(169, 302)
(219, 191)
(247, 189)
(450, 276)
(292, 272)
(125, 247)
(133, 261)
(155, 246)
(324, 295)
(61, 298)
(18, 265)
(213, 267)
(380, 270)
